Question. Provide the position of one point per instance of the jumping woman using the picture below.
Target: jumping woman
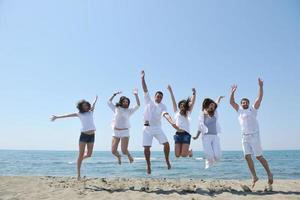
(87, 137)
(121, 124)
(209, 128)
(182, 118)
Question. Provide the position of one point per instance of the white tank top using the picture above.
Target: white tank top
(87, 121)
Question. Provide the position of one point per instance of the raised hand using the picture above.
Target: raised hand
(53, 118)
(193, 90)
(135, 91)
(233, 88)
(142, 74)
(169, 87)
(115, 94)
(260, 82)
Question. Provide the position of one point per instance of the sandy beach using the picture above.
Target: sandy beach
(101, 188)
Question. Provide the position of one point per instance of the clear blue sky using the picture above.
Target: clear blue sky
(53, 53)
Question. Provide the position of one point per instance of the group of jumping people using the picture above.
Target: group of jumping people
(208, 127)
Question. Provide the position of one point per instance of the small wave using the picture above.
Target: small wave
(200, 158)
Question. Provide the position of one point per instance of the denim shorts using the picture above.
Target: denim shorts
(182, 138)
(86, 138)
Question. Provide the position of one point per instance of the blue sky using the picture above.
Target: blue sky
(53, 53)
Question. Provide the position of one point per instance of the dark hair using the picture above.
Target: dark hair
(207, 102)
(186, 105)
(159, 92)
(245, 99)
(122, 98)
(80, 105)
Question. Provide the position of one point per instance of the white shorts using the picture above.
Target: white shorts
(120, 133)
(150, 132)
(251, 144)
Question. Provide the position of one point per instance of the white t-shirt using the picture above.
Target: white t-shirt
(183, 122)
(248, 121)
(121, 116)
(87, 121)
(153, 111)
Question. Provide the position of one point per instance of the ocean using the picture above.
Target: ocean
(284, 165)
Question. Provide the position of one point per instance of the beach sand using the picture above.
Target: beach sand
(49, 187)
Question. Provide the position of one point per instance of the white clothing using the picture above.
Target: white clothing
(154, 111)
(121, 116)
(248, 121)
(149, 132)
(251, 144)
(183, 122)
(121, 133)
(87, 121)
(212, 149)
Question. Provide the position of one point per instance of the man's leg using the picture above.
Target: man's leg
(147, 154)
(252, 169)
(167, 153)
(265, 164)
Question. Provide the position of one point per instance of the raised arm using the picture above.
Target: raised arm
(232, 101)
(173, 98)
(135, 92)
(219, 99)
(54, 117)
(113, 96)
(193, 100)
(94, 103)
(260, 94)
(170, 120)
(144, 82)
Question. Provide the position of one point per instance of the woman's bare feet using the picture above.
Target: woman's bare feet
(119, 159)
(148, 170)
(191, 153)
(130, 158)
(255, 179)
(169, 164)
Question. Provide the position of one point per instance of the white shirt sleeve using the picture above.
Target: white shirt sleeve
(164, 110)
(147, 97)
(132, 110)
(111, 105)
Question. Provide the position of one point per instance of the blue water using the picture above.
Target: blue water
(284, 165)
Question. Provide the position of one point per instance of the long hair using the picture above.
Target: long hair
(186, 105)
(122, 98)
(80, 105)
(206, 103)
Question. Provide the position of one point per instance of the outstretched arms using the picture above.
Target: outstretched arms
(170, 120)
(144, 82)
(113, 96)
(219, 99)
(54, 117)
(173, 98)
(193, 99)
(260, 94)
(94, 103)
(135, 92)
(232, 101)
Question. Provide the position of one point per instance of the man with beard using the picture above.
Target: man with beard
(250, 132)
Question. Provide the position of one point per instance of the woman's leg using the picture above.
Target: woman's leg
(80, 158)
(208, 151)
(178, 147)
(89, 153)
(185, 150)
(114, 148)
(216, 148)
(124, 148)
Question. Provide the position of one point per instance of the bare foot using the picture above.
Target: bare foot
(130, 158)
(255, 179)
(169, 165)
(119, 160)
(78, 178)
(270, 179)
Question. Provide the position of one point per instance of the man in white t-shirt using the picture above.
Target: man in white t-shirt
(154, 111)
(250, 132)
